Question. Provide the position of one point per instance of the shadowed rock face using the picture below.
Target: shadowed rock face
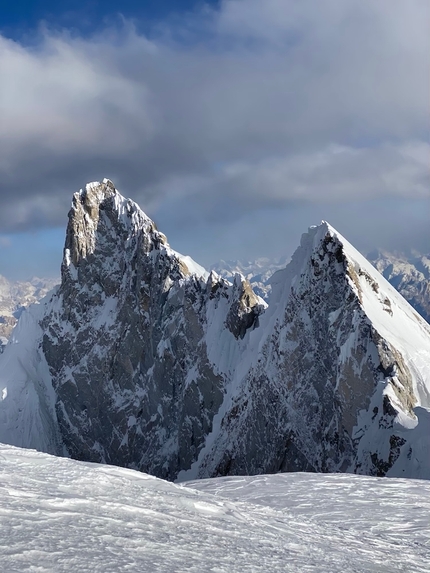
(126, 340)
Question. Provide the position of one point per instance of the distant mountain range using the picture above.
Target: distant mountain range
(15, 296)
(409, 274)
(142, 359)
(257, 272)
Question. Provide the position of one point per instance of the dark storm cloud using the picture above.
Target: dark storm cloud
(261, 104)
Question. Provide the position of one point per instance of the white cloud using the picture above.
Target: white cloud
(262, 102)
(58, 97)
(336, 174)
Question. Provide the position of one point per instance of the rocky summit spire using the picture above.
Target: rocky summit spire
(130, 340)
(101, 224)
(84, 218)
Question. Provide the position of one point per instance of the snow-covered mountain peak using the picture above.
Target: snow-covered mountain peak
(100, 216)
(364, 278)
(143, 360)
(96, 193)
(311, 244)
(136, 346)
(386, 310)
(339, 377)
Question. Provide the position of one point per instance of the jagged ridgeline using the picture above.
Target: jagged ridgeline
(140, 358)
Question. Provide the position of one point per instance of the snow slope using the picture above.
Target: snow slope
(389, 508)
(66, 516)
(27, 398)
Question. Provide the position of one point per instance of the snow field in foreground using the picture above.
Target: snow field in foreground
(60, 515)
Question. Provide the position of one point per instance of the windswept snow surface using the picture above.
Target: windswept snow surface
(61, 515)
(393, 509)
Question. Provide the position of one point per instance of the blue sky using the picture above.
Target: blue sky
(234, 124)
(20, 18)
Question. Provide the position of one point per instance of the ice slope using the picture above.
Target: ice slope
(66, 516)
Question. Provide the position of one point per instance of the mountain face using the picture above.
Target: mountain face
(128, 339)
(339, 368)
(410, 275)
(143, 359)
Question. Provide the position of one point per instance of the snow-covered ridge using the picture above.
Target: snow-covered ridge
(65, 516)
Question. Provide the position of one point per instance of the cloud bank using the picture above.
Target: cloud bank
(257, 105)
